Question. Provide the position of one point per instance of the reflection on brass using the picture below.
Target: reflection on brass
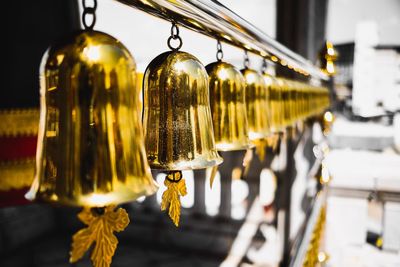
(228, 108)
(101, 225)
(274, 101)
(177, 116)
(256, 105)
(90, 144)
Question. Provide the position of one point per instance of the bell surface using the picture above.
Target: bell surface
(90, 149)
(275, 103)
(177, 117)
(228, 107)
(256, 105)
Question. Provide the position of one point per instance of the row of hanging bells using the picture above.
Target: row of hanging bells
(91, 149)
(95, 151)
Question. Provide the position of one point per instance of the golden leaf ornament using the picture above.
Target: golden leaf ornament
(102, 223)
(176, 187)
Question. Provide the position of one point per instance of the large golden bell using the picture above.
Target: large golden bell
(177, 116)
(228, 107)
(256, 105)
(90, 144)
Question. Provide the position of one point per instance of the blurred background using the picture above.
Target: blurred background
(243, 220)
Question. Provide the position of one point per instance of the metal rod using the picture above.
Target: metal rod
(213, 19)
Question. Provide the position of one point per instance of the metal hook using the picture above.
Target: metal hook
(174, 36)
(220, 53)
(246, 60)
(89, 11)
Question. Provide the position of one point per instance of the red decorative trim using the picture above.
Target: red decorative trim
(17, 148)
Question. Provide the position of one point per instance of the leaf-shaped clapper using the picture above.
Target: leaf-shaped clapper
(102, 223)
(176, 187)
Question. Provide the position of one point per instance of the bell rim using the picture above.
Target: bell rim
(246, 146)
(210, 163)
(37, 197)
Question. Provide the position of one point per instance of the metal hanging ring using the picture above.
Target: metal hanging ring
(264, 66)
(174, 31)
(174, 36)
(246, 60)
(169, 42)
(171, 176)
(86, 13)
(220, 53)
(86, 7)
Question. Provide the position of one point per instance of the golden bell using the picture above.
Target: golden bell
(274, 98)
(256, 105)
(177, 117)
(90, 148)
(228, 107)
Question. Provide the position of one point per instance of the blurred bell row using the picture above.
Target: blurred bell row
(97, 142)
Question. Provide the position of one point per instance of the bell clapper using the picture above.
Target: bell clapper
(101, 223)
(273, 141)
(248, 157)
(260, 149)
(214, 171)
(176, 187)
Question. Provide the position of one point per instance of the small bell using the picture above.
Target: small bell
(228, 107)
(177, 117)
(177, 120)
(256, 105)
(90, 148)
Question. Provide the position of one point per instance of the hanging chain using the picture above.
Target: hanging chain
(264, 66)
(89, 11)
(220, 53)
(174, 36)
(246, 60)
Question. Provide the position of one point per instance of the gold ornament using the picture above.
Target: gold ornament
(177, 119)
(90, 149)
(176, 187)
(100, 230)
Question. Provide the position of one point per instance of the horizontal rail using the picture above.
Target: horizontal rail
(213, 19)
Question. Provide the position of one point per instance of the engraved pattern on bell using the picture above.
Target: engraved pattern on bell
(228, 107)
(90, 144)
(256, 105)
(177, 116)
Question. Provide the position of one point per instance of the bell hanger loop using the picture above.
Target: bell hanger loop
(264, 66)
(89, 11)
(246, 61)
(174, 36)
(220, 53)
